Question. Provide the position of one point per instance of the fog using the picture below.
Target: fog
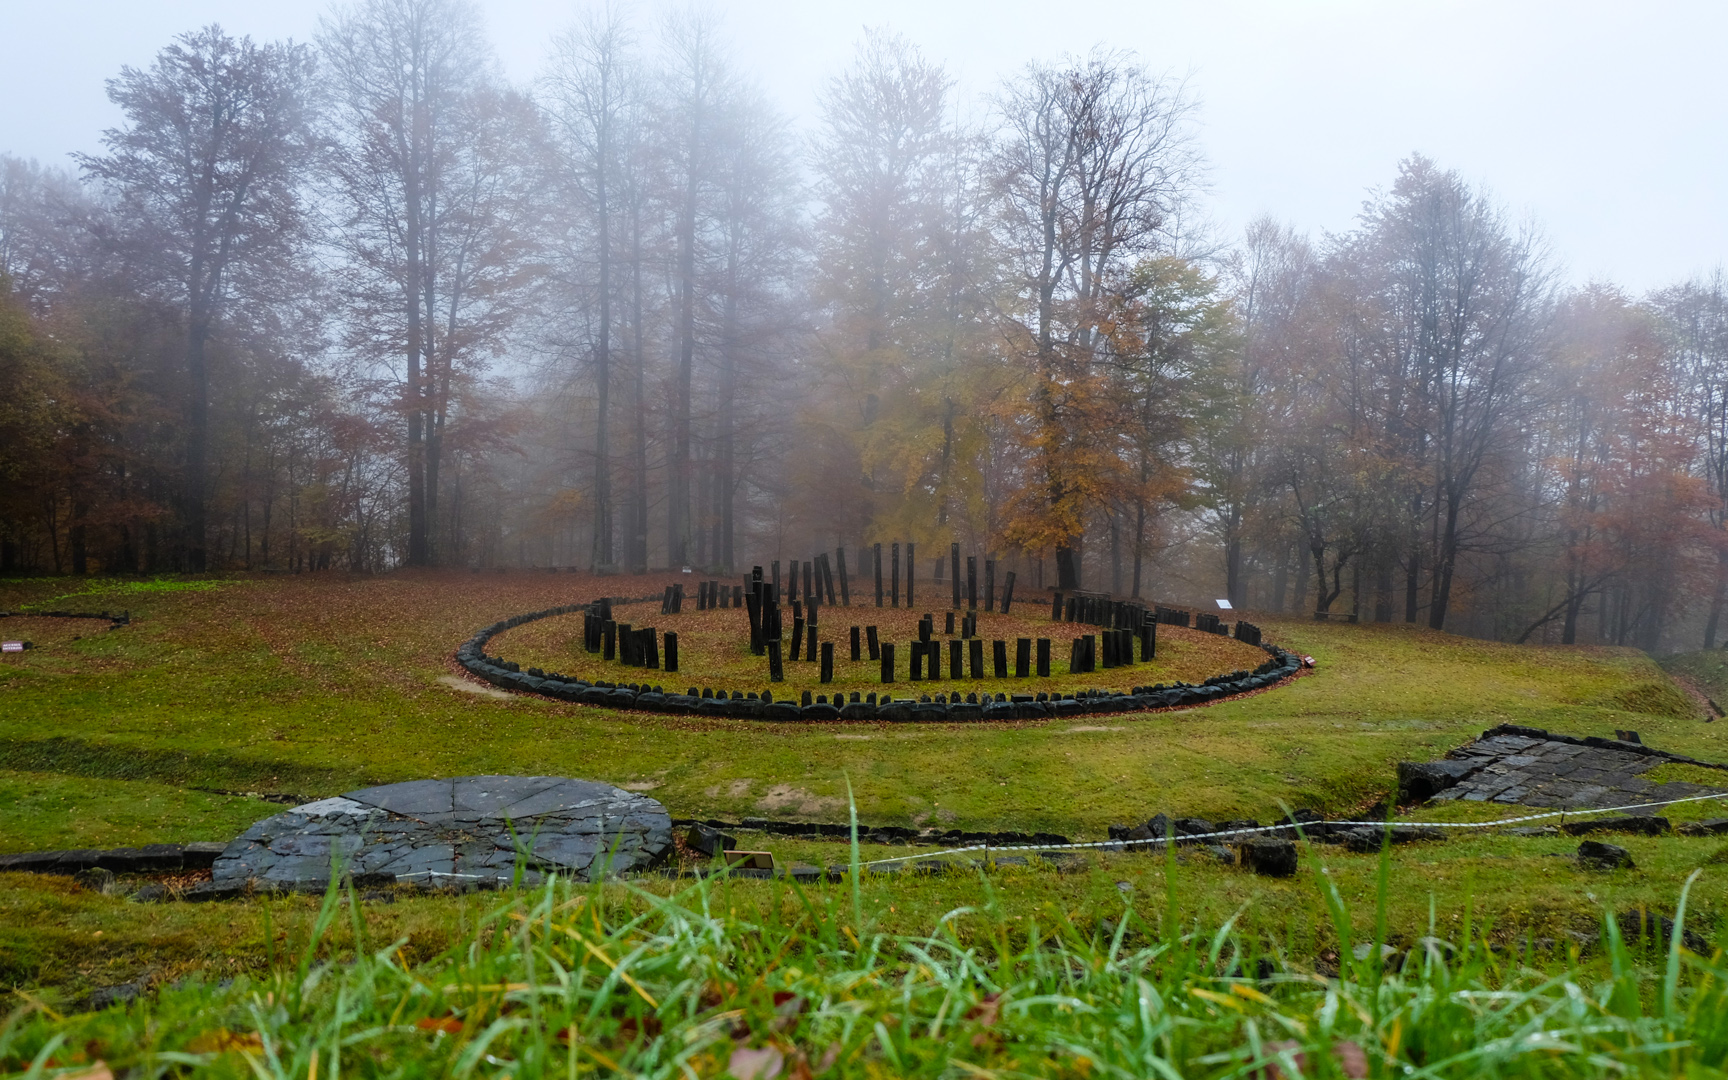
(1395, 312)
(1601, 120)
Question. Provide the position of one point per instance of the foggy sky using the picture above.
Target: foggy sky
(1604, 123)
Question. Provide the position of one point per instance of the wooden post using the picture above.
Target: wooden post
(976, 657)
(894, 592)
(1043, 658)
(1056, 607)
(999, 654)
(1023, 658)
(754, 604)
(954, 565)
(855, 656)
(875, 644)
(808, 574)
(972, 583)
(876, 550)
(915, 661)
(608, 639)
(650, 648)
(671, 651)
(827, 661)
(845, 590)
(810, 645)
(911, 572)
(956, 659)
(797, 634)
(887, 658)
(1008, 592)
(776, 670)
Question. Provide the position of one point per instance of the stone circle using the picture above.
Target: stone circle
(647, 696)
(442, 832)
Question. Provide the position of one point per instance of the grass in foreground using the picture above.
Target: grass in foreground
(714, 980)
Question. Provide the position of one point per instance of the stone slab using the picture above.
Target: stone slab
(472, 828)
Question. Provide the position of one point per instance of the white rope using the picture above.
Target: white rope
(1123, 844)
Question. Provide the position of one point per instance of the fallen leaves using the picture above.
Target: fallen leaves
(763, 1063)
(1352, 1060)
(985, 1015)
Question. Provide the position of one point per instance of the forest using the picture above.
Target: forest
(361, 303)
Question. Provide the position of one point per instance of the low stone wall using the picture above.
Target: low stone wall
(945, 708)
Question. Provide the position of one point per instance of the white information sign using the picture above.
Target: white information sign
(1224, 605)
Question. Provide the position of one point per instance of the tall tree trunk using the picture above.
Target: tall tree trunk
(725, 462)
(638, 496)
(1443, 566)
(1139, 542)
(678, 472)
(418, 550)
(197, 442)
(1115, 553)
(602, 553)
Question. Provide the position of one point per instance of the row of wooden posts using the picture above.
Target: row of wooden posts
(1121, 622)
(826, 581)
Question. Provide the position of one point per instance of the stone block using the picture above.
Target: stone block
(1596, 855)
(1624, 823)
(1712, 827)
(1269, 857)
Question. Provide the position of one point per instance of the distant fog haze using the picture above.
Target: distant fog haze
(1601, 122)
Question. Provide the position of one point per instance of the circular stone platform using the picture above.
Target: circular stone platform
(448, 831)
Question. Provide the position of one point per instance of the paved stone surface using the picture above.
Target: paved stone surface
(449, 831)
(1536, 769)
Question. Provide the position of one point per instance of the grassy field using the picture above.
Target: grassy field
(314, 685)
(225, 689)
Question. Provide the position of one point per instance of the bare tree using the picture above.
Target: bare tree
(1460, 303)
(1696, 315)
(697, 85)
(1094, 159)
(432, 168)
(592, 85)
(207, 176)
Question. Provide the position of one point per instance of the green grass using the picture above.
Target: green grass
(318, 684)
(315, 685)
(1706, 669)
(722, 976)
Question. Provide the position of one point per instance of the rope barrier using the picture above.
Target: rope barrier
(1120, 845)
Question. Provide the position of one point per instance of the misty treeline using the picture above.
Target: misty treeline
(361, 303)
